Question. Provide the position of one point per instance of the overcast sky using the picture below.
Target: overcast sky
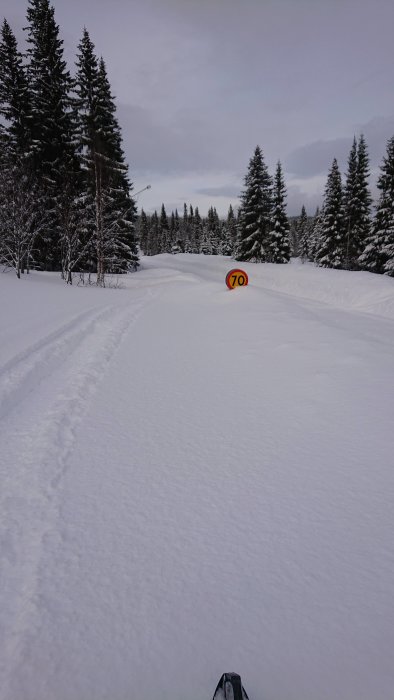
(199, 83)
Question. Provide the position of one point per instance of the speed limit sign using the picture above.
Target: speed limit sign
(236, 278)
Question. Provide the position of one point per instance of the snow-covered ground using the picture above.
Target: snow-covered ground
(195, 481)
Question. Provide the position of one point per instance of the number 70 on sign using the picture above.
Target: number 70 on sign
(236, 278)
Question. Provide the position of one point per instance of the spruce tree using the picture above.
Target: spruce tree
(256, 210)
(232, 229)
(184, 229)
(19, 195)
(106, 174)
(15, 98)
(226, 241)
(53, 147)
(177, 241)
(378, 255)
(303, 235)
(351, 208)
(357, 204)
(332, 244)
(213, 232)
(197, 232)
(154, 235)
(362, 228)
(189, 240)
(206, 246)
(315, 234)
(143, 232)
(165, 242)
(279, 244)
(294, 240)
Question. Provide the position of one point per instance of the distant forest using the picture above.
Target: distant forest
(343, 234)
(66, 201)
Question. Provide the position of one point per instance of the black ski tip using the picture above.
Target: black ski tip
(230, 688)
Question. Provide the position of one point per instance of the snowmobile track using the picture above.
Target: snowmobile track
(73, 359)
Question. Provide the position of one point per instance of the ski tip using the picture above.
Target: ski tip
(230, 688)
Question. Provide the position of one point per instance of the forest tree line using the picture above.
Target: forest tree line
(342, 234)
(65, 194)
(66, 199)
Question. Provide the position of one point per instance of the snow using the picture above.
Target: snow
(196, 480)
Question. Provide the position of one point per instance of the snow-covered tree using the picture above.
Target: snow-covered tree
(332, 244)
(279, 243)
(164, 228)
(106, 174)
(213, 231)
(294, 241)
(378, 255)
(15, 98)
(255, 212)
(303, 232)
(362, 228)
(154, 235)
(52, 145)
(177, 244)
(197, 231)
(20, 219)
(143, 232)
(232, 228)
(357, 203)
(315, 234)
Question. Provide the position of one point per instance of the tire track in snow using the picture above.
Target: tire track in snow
(23, 373)
(29, 499)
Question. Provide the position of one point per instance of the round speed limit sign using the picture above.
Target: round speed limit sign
(236, 278)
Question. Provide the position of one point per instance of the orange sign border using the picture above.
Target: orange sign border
(233, 272)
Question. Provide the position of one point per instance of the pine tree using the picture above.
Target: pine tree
(106, 174)
(294, 239)
(189, 239)
(303, 235)
(154, 235)
(357, 204)
(15, 98)
(232, 229)
(378, 255)
(332, 246)
(315, 234)
(53, 147)
(143, 232)
(206, 246)
(197, 232)
(279, 244)
(19, 194)
(226, 241)
(177, 240)
(256, 209)
(362, 228)
(165, 242)
(213, 232)
(351, 208)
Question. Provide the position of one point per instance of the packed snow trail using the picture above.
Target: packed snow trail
(202, 482)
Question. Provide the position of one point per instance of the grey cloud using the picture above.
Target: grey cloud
(152, 146)
(315, 158)
(223, 191)
(184, 144)
(377, 131)
(296, 198)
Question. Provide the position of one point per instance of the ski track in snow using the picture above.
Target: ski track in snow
(56, 378)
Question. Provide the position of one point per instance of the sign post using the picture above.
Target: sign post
(236, 278)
